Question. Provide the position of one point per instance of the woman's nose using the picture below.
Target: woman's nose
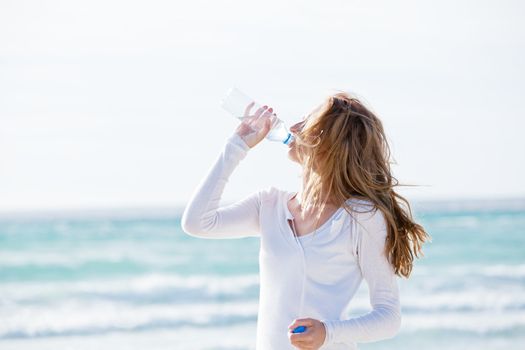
(297, 127)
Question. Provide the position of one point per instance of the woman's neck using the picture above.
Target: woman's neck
(306, 209)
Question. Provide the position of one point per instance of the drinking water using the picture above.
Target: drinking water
(236, 102)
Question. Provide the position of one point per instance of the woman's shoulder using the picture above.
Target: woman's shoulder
(272, 193)
(366, 212)
(360, 205)
(369, 218)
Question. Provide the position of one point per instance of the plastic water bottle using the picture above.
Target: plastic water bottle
(236, 102)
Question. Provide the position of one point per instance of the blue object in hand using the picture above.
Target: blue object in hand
(299, 329)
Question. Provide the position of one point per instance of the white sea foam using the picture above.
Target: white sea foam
(72, 258)
(486, 298)
(465, 270)
(474, 322)
(92, 307)
(74, 317)
(220, 337)
(142, 286)
(87, 318)
(430, 294)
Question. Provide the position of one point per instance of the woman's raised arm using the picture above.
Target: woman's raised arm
(203, 216)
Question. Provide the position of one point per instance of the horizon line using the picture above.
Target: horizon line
(175, 211)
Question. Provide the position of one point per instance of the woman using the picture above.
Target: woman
(317, 245)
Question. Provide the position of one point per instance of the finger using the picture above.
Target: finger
(307, 322)
(267, 125)
(252, 121)
(268, 112)
(298, 343)
(301, 337)
(305, 347)
(258, 122)
(263, 114)
(260, 111)
(301, 345)
(248, 109)
(261, 120)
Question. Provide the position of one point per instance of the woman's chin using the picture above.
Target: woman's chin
(292, 155)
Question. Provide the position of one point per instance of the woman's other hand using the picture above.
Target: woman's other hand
(254, 128)
(311, 339)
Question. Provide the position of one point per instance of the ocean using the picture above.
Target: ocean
(136, 281)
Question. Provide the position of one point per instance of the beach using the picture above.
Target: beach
(137, 281)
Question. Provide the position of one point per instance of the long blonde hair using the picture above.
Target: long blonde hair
(345, 155)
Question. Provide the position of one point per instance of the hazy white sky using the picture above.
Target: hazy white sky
(116, 103)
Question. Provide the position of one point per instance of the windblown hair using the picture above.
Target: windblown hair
(345, 155)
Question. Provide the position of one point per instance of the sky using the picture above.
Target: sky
(108, 104)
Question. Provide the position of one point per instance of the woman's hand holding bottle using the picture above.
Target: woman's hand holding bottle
(312, 337)
(254, 128)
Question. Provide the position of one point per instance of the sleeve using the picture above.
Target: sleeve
(384, 320)
(203, 217)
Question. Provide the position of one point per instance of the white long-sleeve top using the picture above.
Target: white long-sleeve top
(314, 275)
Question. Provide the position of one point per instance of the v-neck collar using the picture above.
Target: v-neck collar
(289, 216)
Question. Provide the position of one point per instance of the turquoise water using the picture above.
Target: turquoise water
(140, 282)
